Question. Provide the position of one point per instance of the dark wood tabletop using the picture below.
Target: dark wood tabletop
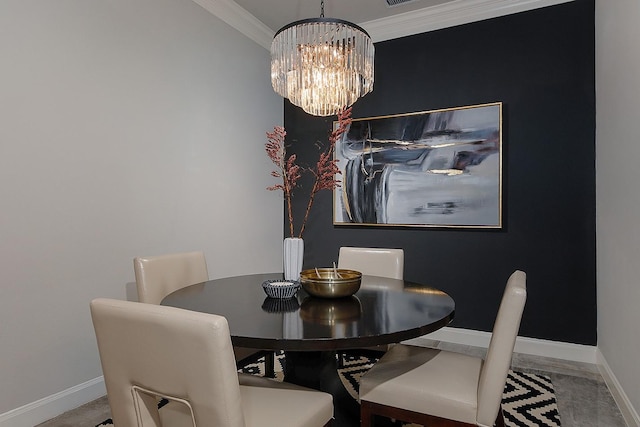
(383, 311)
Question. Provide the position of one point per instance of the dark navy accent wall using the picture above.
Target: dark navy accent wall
(540, 64)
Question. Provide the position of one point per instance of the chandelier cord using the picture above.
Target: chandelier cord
(321, 8)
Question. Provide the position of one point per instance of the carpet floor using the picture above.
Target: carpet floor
(528, 400)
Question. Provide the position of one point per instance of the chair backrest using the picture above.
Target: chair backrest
(496, 365)
(373, 261)
(158, 276)
(148, 350)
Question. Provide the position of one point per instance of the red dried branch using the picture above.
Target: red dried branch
(327, 168)
(288, 170)
(325, 171)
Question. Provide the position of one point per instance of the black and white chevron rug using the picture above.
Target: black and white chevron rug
(528, 399)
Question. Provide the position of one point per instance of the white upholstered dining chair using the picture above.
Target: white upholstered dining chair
(150, 351)
(441, 388)
(158, 276)
(381, 262)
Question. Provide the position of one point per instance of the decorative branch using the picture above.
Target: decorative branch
(288, 170)
(325, 170)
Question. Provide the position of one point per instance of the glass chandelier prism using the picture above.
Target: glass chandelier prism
(322, 65)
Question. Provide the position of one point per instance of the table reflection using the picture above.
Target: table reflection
(275, 305)
(330, 311)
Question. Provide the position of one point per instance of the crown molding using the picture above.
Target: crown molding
(237, 17)
(446, 15)
(456, 12)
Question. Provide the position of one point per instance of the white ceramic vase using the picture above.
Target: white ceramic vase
(293, 254)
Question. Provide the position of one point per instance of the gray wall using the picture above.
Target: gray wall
(618, 197)
(127, 127)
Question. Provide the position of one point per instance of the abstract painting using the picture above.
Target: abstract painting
(440, 168)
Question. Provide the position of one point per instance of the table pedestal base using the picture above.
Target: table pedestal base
(319, 370)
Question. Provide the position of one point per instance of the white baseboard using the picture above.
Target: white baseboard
(51, 406)
(629, 413)
(533, 346)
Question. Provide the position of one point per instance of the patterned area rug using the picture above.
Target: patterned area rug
(528, 399)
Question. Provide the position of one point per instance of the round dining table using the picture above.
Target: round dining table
(313, 331)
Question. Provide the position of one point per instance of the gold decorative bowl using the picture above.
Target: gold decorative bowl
(330, 283)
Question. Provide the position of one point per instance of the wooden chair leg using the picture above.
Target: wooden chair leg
(365, 414)
(500, 418)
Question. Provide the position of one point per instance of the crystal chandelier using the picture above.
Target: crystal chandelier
(322, 65)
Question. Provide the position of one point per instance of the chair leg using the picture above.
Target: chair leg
(269, 365)
(500, 418)
(365, 414)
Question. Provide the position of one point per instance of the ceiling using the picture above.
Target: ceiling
(277, 13)
(260, 19)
